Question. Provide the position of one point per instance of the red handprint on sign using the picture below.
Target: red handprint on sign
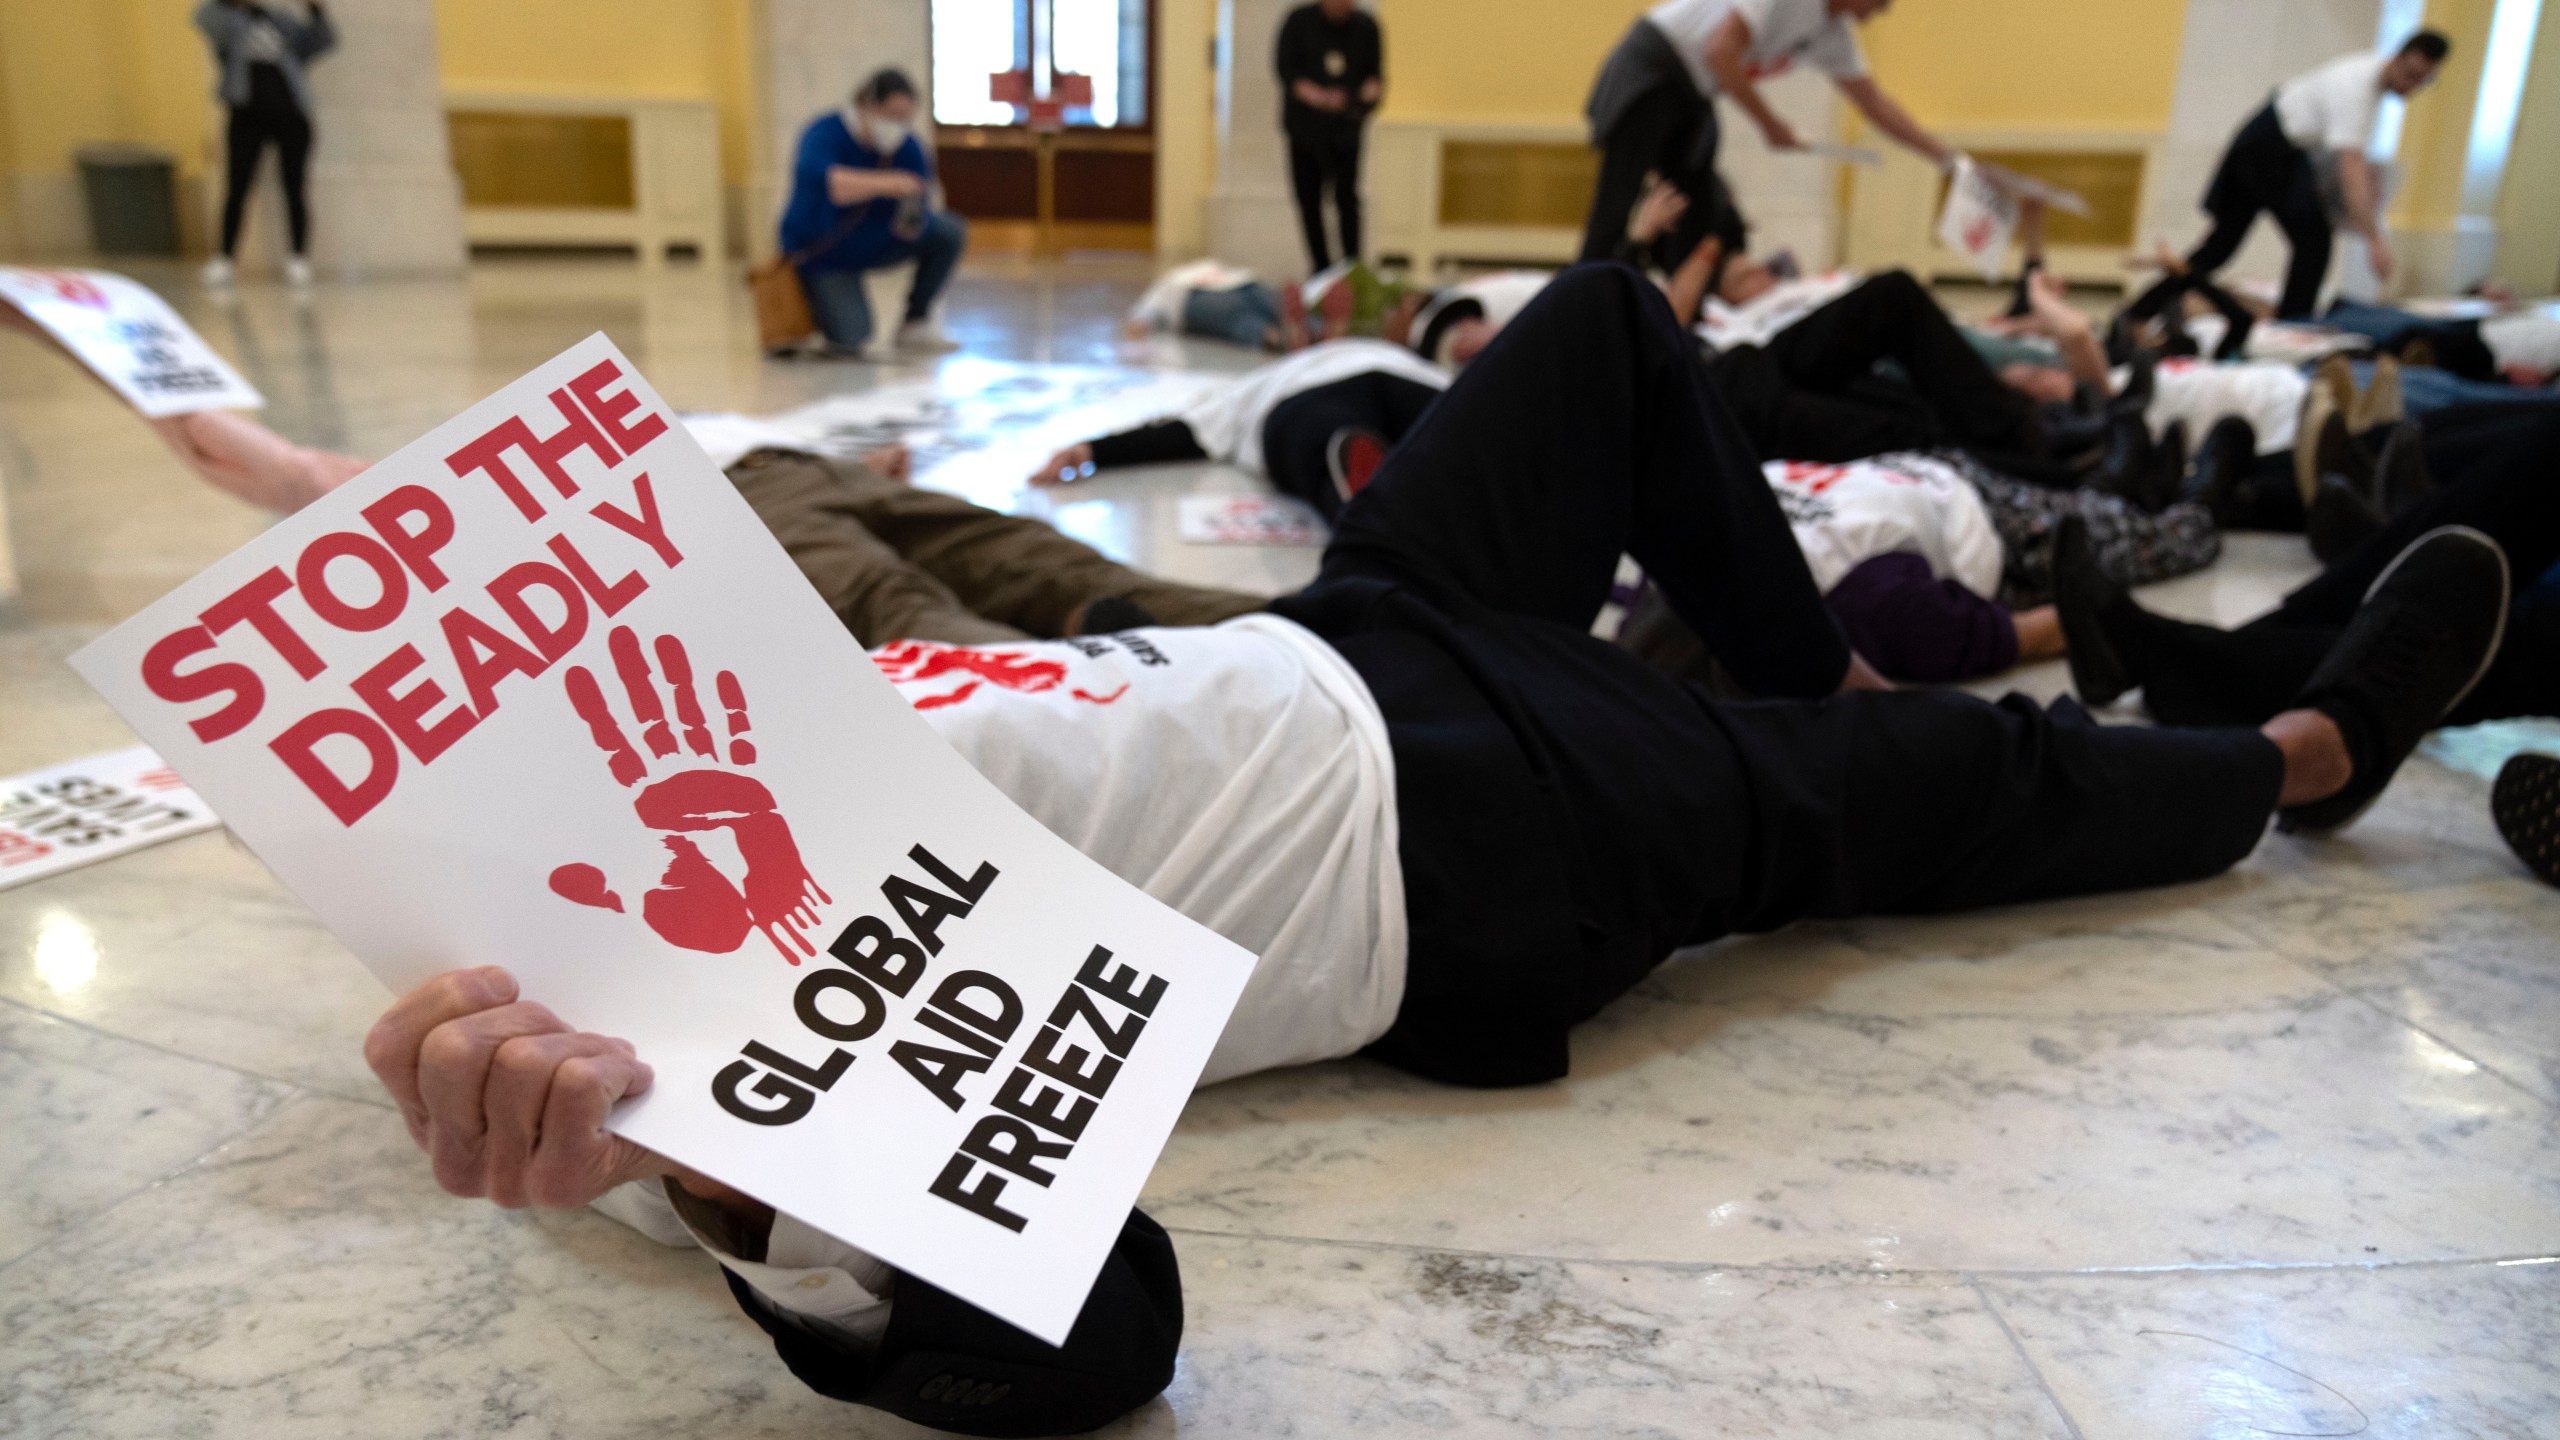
(694, 904)
(909, 662)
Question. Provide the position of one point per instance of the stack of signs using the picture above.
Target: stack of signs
(1979, 218)
(54, 819)
(130, 338)
(540, 691)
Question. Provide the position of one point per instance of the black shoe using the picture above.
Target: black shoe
(2426, 633)
(2081, 594)
(2336, 451)
(2229, 453)
(1352, 457)
(2340, 520)
(2526, 804)
(2124, 466)
(2400, 475)
(2139, 387)
(2166, 478)
(1114, 613)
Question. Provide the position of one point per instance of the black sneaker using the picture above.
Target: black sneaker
(2340, 520)
(2526, 804)
(2423, 637)
(2229, 453)
(2081, 594)
(2167, 477)
(1352, 457)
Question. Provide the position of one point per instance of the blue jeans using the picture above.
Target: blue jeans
(843, 312)
(1244, 314)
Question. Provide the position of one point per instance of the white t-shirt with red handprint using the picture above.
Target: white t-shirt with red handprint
(1238, 773)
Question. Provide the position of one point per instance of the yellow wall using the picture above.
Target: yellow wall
(2437, 134)
(657, 49)
(2031, 64)
(1186, 125)
(103, 70)
(2529, 203)
(1975, 63)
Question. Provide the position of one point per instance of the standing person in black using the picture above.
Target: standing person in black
(1332, 64)
(260, 54)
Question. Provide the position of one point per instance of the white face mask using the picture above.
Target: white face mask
(887, 135)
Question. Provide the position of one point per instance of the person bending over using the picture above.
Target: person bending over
(2323, 118)
(1315, 423)
(1453, 824)
(861, 200)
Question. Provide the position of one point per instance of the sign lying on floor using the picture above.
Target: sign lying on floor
(66, 816)
(130, 338)
(540, 691)
(1249, 520)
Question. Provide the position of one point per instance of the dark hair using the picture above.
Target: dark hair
(885, 85)
(2430, 43)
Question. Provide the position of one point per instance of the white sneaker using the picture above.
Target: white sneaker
(925, 337)
(297, 272)
(217, 273)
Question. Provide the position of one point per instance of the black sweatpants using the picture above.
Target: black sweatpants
(1298, 430)
(2265, 172)
(2498, 468)
(269, 119)
(1569, 815)
(1812, 393)
(1321, 161)
(1671, 131)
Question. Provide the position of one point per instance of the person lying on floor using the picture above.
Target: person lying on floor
(1311, 422)
(1217, 301)
(2494, 473)
(1453, 824)
(1939, 569)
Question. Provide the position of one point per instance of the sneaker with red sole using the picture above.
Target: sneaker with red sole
(1353, 456)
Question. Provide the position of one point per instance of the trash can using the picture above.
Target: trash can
(133, 199)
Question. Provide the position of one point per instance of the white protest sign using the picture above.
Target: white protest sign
(1249, 520)
(130, 338)
(69, 815)
(541, 691)
(1979, 218)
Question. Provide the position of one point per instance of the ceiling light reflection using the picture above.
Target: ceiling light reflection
(66, 952)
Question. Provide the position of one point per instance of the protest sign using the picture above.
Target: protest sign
(1249, 520)
(541, 691)
(130, 338)
(1979, 218)
(69, 815)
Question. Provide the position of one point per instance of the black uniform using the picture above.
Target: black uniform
(1324, 145)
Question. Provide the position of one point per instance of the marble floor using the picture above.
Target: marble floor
(2276, 1154)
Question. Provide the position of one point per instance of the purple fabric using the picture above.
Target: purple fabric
(1913, 626)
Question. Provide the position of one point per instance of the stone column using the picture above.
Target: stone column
(384, 200)
(811, 53)
(1252, 220)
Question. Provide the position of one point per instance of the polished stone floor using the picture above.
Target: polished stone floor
(2276, 1154)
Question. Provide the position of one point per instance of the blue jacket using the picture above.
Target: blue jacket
(227, 27)
(811, 217)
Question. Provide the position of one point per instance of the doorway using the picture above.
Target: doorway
(1044, 118)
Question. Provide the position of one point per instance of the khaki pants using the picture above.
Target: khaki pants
(898, 563)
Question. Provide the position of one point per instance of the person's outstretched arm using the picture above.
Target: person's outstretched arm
(1158, 442)
(1729, 60)
(1887, 115)
(510, 1103)
(315, 37)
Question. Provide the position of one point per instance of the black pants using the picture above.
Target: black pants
(1299, 429)
(252, 129)
(1570, 816)
(1671, 131)
(2500, 471)
(2264, 171)
(1320, 161)
(1812, 392)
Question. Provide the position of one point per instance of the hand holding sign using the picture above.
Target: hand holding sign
(694, 905)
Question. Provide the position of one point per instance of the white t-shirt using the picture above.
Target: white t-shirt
(1781, 305)
(1781, 30)
(1161, 306)
(1239, 774)
(2269, 396)
(1898, 504)
(1228, 420)
(2332, 108)
(2525, 337)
